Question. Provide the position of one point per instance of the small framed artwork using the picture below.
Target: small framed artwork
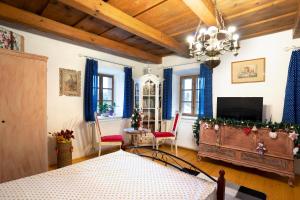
(248, 71)
(11, 40)
(69, 82)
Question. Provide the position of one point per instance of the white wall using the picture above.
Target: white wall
(272, 47)
(64, 111)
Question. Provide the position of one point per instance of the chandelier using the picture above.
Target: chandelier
(208, 44)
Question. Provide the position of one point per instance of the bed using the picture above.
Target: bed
(119, 175)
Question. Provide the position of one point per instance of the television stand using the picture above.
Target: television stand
(232, 145)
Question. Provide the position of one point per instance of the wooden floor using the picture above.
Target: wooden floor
(273, 185)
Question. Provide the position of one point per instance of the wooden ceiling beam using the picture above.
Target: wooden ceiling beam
(268, 31)
(273, 19)
(296, 30)
(254, 9)
(112, 15)
(16, 15)
(204, 9)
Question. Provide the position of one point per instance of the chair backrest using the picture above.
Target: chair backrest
(97, 126)
(176, 123)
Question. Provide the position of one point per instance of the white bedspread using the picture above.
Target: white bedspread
(118, 175)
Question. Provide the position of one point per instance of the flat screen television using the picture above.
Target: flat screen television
(240, 108)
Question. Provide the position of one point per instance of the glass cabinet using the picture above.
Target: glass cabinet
(148, 92)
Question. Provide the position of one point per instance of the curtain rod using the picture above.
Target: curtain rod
(293, 47)
(99, 59)
(180, 64)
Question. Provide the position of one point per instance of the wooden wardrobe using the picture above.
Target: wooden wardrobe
(23, 133)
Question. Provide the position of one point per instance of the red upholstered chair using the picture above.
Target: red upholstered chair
(171, 136)
(107, 140)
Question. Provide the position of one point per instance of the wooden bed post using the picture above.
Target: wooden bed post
(221, 185)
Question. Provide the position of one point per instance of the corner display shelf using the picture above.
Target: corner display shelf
(147, 97)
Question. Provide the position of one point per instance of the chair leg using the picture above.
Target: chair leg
(99, 154)
(172, 146)
(175, 147)
(153, 142)
(157, 144)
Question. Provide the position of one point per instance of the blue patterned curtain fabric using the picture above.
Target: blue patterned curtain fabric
(128, 93)
(205, 94)
(291, 110)
(90, 89)
(167, 94)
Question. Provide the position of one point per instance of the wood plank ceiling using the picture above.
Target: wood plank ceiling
(171, 17)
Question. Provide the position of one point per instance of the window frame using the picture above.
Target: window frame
(194, 100)
(101, 88)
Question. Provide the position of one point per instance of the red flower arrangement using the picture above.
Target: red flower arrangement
(63, 136)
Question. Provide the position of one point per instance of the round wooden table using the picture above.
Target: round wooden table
(134, 134)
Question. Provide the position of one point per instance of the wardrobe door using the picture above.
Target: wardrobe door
(23, 108)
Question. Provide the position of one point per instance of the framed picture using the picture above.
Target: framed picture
(248, 71)
(69, 82)
(11, 40)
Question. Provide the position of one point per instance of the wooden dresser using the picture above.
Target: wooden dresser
(232, 145)
(23, 134)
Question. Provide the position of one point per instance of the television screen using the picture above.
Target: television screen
(240, 108)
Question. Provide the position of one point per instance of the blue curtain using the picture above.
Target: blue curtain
(167, 94)
(205, 94)
(291, 110)
(128, 93)
(90, 89)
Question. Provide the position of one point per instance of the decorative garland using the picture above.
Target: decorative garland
(247, 126)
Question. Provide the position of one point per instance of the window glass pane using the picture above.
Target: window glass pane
(186, 95)
(186, 107)
(107, 102)
(197, 95)
(187, 83)
(196, 108)
(197, 83)
(107, 94)
(107, 82)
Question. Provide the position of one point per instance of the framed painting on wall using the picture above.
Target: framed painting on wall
(248, 71)
(11, 40)
(69, 82)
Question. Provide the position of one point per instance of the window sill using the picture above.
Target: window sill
(106, 119)
(193, 118)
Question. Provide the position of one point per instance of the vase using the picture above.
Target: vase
(64, 154)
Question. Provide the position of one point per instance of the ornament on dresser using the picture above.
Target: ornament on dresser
(261, 149)
(254, 129)
(247, 130)
(136, 119)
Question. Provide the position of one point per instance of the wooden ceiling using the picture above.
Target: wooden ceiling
(148, 29)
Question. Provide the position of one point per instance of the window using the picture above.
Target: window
(189, 95)
(106, 89)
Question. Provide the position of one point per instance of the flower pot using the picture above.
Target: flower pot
(64, 154)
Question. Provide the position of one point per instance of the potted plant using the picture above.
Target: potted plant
(107, 110)
(64, 147)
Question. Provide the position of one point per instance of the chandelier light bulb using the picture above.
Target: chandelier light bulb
(231, 29)
(190, 39)
(203, 31)
(235, 37)
(212, 30)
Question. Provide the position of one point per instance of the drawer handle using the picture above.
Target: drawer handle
(3, 121)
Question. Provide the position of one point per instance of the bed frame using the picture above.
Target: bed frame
(180, 164)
